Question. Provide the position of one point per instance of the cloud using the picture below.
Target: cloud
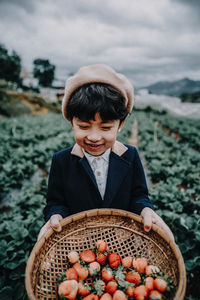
(144, 39)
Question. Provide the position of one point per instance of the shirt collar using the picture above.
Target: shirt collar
(105, 155)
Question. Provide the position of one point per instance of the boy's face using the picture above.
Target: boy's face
(95, 136)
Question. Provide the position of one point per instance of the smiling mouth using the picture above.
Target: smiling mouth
(93, 145)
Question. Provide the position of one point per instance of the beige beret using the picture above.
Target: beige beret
(98, 73)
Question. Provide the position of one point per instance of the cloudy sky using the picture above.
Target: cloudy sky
(148, 40)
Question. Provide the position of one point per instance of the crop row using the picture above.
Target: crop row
(173, 168)
(186, 131)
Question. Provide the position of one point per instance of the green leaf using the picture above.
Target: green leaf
(7, 293)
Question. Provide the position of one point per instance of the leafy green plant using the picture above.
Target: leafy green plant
(173, 167)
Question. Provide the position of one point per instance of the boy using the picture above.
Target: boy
(98, 172)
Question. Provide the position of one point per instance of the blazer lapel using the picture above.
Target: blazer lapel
(83, 161)
(118, 168)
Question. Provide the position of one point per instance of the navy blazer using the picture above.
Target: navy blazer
(72, 186)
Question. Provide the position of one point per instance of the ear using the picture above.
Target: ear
(121, 126)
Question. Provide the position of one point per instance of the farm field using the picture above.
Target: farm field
(170, 147)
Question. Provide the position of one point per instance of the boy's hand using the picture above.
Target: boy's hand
(150, 217)
(54, 223)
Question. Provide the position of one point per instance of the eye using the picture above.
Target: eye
(83, 126)
(106, 128)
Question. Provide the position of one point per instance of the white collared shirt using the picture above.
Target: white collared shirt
(99, 165)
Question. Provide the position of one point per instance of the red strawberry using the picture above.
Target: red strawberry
(87, 256)
(119, 295)
(91, 297)
(160, 284)
(127, 262)
(155, 295)
(106, 296)
(107, 274)
(133, 277)
(71, 274)
(140, 292)
(114, 260)
(149, 283)
(111, 287)
(140, 264)
(101, 258)
(68, 289)
(81, 271)
(130, 291)
(101, 246)
(83, 288)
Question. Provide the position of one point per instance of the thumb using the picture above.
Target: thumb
(55, 223)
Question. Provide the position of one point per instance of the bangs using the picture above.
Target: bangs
(96, 98)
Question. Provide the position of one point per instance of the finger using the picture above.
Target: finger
(55, 223)
(168, 231)
(147, 220)
(165, 228)
(43, 230)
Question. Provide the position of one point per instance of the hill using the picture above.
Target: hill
(174, 88)
(13, 103)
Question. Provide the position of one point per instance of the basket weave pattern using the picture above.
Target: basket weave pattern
(124, 234)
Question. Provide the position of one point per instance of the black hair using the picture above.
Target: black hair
(93, 98)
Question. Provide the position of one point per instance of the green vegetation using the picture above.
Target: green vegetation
(10, 65)
(27, 145)
(173, 165)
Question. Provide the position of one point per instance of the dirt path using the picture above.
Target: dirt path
(134, 141)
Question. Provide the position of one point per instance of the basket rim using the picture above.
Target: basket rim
(113, 212)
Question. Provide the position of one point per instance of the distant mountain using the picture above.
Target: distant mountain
(174, 88)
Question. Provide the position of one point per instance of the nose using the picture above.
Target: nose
(94, 136)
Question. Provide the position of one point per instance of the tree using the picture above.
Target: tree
(10, 65)
(44, 71)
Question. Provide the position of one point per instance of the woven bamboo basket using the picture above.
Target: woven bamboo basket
(124, 233)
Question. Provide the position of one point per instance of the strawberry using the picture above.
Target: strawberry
(155, 295)
(111, 287)
(140, 264)
(83, 288)
(101, 258)
(151, 269)
(133, 277)
(119, 295)
(71, 274)
(114, 260)
(101, 246)
(160, 284)
(73, 257)
(91, 297)
(130, 291)
(127, 262)
(149, 283)
(68, 289)
(94, 268)
(106, 296)
(99, 286)
(87, 256)
(81, 271)
(140, 292)
(107, 274)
